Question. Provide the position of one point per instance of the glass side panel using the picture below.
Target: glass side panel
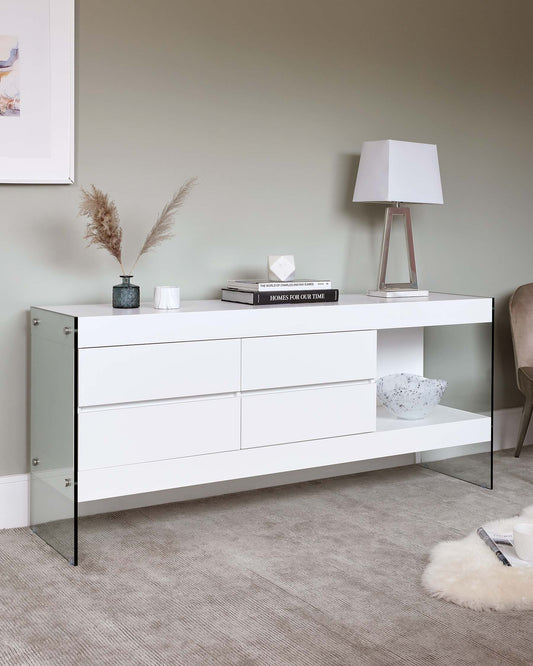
(462, 355)
(53, 502)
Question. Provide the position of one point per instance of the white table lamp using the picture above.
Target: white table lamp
(393, 172)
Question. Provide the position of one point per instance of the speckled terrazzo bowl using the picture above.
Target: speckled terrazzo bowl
(410, 396)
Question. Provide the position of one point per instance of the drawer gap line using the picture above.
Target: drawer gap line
(161, 401)
(308, 387)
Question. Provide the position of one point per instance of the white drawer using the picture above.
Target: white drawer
(109, 375)
(298, 360)
(125, 435)
(293, 415)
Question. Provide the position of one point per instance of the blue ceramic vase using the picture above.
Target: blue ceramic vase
(126, 295)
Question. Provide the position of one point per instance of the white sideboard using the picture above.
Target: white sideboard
(136, 401)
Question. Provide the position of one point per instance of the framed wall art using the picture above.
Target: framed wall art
(36, 91)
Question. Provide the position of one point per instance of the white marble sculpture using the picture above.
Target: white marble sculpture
(281, 268)
(410, 396)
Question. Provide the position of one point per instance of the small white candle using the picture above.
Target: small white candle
(166, 298)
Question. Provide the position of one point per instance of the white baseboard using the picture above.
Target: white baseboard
(14, 500)
(505, 426)
(14, 489)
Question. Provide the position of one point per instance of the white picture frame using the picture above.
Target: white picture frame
(38, 145)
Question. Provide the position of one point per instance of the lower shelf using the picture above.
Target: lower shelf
(440, 416)
(445, 427)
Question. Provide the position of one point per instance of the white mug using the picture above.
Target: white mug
(523, 540)
(166, 298)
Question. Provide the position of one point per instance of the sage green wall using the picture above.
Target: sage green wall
(268, 102)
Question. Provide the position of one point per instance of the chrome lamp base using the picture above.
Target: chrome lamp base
(397, 293)
(398, 289)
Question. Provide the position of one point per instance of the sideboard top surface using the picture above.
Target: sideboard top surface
(101, 325)
(216, 305)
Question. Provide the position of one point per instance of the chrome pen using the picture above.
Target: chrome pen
(490, 543)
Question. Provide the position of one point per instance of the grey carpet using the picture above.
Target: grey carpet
(319, 573)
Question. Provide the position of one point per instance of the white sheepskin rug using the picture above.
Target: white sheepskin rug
(467, 573)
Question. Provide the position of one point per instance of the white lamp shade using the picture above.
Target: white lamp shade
(398, 171)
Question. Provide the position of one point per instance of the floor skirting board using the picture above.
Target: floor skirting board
(14, 500)
(505, 426)
(14, 489)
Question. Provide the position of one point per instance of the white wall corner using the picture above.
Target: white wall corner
(14, 501)
(14, 489)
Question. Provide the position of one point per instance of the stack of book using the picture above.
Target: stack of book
(263, 292)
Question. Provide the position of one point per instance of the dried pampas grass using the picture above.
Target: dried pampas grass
(104, 230)
(162, 229)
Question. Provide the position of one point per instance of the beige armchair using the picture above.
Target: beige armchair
(521, 311)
